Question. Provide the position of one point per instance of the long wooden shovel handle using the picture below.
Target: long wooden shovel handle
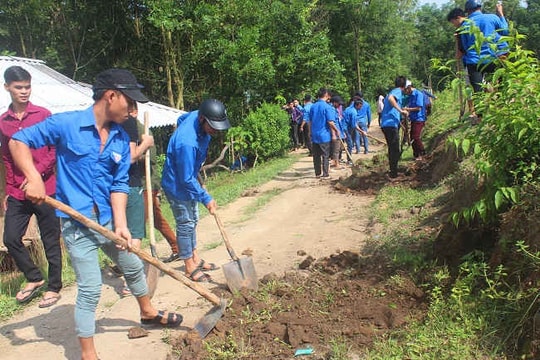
(346, 148)
(149, 196)
(225, 238)
(376, 139)
(140, 253)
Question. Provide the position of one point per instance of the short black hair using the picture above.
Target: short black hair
(98, 94)
(400, 81)
(16, 73)
(322, 92)
(455, 13)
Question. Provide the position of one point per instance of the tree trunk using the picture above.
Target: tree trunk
(357, 56)
(166, 53)
(175, 76)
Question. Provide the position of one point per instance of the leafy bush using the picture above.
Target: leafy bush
(263, 134)
(505, 143)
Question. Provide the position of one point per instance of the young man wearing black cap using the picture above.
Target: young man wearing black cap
(186, 153)
(93, 159)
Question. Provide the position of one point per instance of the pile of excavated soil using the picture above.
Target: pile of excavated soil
(338, 299)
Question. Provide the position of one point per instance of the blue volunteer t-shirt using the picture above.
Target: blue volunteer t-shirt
(320, 114)
(86, 173)
(391, 117)
(417, 100)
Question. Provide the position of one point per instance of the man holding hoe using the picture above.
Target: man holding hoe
(93, 160)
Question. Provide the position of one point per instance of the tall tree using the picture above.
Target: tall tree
(373, 39)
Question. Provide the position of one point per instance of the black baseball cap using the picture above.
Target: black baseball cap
(122, 80)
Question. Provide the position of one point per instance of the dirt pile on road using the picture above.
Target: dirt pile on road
(340, 299)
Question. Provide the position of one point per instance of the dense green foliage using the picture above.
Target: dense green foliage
(505, 143)
(243, 52)
(264, 133)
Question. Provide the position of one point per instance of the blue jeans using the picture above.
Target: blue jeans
(186, 214)
(82, 245)
(354, 140)
(364, 138)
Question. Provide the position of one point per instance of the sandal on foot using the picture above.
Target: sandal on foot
(29, 294)
(125, 292)
(156, 321)
(203, 277)
(49, 300)
(211, 267)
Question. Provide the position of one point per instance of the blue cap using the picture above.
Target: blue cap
(473, 4)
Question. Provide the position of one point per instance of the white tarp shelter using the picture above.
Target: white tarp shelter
(58, 93)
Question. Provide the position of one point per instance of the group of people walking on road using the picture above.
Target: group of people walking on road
(329, 130)
(87, 160)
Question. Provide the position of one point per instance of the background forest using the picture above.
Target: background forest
(244, 52)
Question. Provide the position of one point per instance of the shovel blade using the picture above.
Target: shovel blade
(152, 277)
(241, 274)
(209, 321)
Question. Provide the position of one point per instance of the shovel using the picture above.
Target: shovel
(376, 139)
(208, 322)
(152, 272)
(239, 273)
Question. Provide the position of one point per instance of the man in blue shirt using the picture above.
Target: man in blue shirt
(390, 122)
(417, 115)
(339, 137)
(350, 119)
(363, 122)
(480, 64)
(93, 159)
(186, 153)
(305, 127)
(321, 117)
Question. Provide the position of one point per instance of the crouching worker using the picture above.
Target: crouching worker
(93, 159)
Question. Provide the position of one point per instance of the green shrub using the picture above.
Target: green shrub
(263, 134)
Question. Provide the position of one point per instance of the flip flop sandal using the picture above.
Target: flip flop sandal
(49, 301)
(32, 293)
(201, 278)
(125, 292)
(156, 321)
(211, 268)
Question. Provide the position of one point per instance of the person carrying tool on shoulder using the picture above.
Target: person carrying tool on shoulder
(93, 159)
(186, 152)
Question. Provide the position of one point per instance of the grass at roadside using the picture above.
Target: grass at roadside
(461, 321)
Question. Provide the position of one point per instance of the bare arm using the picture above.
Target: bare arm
(138, 151)
(393, 102)
(34, 187)
(333, 127)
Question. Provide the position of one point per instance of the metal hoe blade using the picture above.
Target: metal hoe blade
(209, 321)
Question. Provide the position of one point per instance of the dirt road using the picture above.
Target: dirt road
(305, 214)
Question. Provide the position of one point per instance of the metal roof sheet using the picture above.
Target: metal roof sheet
(58, 93)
